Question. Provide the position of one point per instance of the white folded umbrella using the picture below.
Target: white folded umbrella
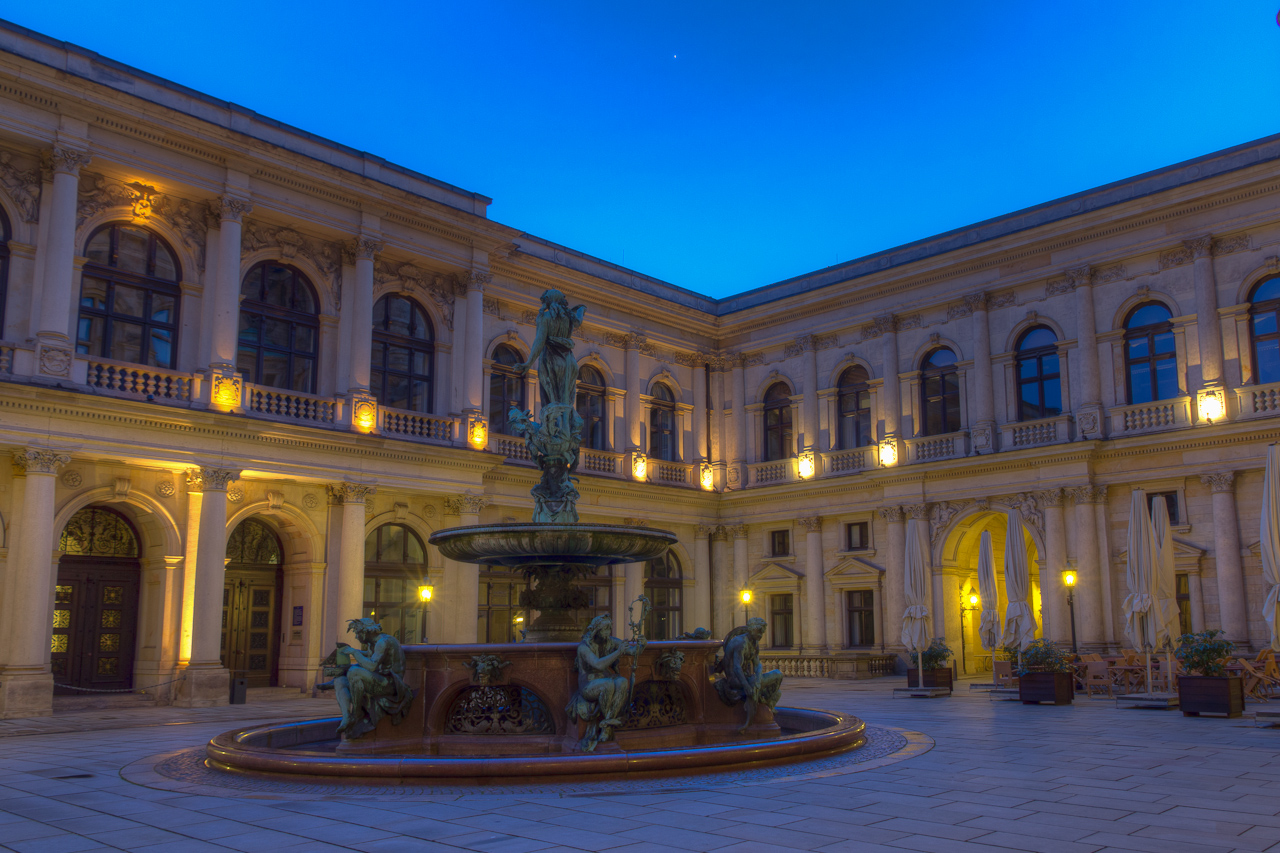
(989, 630)
(1270, 539)
(915, 617)
(1019, 620)
(1141, 610)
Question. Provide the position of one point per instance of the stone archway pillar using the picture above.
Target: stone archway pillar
(466, 586)
(1053, 563)
(895, 553)
(1091, 614)
(815, 596)
(26, 684)
(724, 595)
(1232, 616)
(700, 615)
(351, 552)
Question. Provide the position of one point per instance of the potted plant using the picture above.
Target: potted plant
(1044, 675)
(936, 671)
(1208, 688)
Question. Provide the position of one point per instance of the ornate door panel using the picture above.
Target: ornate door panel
(250, 626)
(95, 621)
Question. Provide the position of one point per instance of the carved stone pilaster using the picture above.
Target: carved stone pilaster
(1079, 276)
(67, 161)
(1050, 497)
(735, 531)
(1199, 247)
(470, 280)
(813, 524)
(1222, 482)
(704, 531)
(891, 514)
(211, 479)
(465, 504)
(1089, 494)
(917, 511)
(230, 208)
(38, 460)
(976, 301)
(365, 248)
(351, 493)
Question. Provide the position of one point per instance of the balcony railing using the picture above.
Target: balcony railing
(670, 473)
(276, 403)
(138, 381)
(510, 446)
(844, 665)
(1035, 433)
(6, 358)
(848, 461)
(599, 462)
(1151, 417)
(416, 426)
(953, 445)
(765, 473)
(1258, 401)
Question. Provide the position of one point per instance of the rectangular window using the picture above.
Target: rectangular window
(1170, 501)
(857, 536)
(1184, 603)
(781, 621)
(780, 543)
(860, 606)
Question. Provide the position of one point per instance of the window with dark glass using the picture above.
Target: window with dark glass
(860, 609)
(500, 617)
(1039, 377)
(279, 328)
(5, 234)
(1183, 598)
(664, 587)
(857, 536)
(402, 362)
(662, 424)
(395, 565)
(590, 405)
(780, 543)
(598, 587)
(940, 393)
(779, 439)
(1150, 356)
(1264, 330)
(855, 409)
(1170, 501)
(506, 387)
(129, 297)
(781, 621)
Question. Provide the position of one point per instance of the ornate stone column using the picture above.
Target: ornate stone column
(895, 552)
(58, 289)
(1090, 613)
(225, 385)
(809, 376)
(473, 363)
(353, 497)
(1102, 525)
(1226, 556)
(701, 449)
(741, 447)
(632, 588)
(1089, 416)
(891, 397)
(206, 679)
(700, 615)
(1052, 591)
(366, 250)
(983, 433)
(632, 405)
(467, 588)
(815, 596)
(26, 684)
(741, 572)
(1208, 326)
(723, 594)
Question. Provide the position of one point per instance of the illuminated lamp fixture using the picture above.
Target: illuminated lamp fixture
(973, 601)
(888, 453)
(745, 595)
(639, 466)
(806, 464)
(1069, 581)
(706, 478)
(142, 199)
(425, 592)
(1069, 578)
(1211, 405)
(366, 415)
(478, 434)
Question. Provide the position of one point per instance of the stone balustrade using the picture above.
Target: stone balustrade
(279, 404)
(765, 473)
(138, 381)
(1258, 401)
(1035, 433)
(1156, 416)
(952, 445)
(670, 473)
(599, 462)
(841, 665)
(848, 461)
(6, 358)
(416, 426)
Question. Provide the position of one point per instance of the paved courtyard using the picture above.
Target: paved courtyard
(958, 774)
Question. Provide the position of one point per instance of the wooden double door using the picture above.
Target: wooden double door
(95, 624)
(251, 624)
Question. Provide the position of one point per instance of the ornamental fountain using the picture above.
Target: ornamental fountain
(571, 701)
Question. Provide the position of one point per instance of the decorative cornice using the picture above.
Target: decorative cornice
(1221, 482)
(38, 460)
(211, 479)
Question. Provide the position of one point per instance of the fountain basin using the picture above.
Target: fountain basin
(527, 545)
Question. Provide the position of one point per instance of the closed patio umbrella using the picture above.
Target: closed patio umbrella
(989, 630)
(1270, 539)
(916, 585)
(1141, 610)
(1166, 587)
(1019, 620)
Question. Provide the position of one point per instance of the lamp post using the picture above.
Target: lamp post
(1069, 579)
(745, 595)
(967, 603)
(425, 592)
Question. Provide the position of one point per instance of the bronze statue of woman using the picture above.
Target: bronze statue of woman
(553, 349)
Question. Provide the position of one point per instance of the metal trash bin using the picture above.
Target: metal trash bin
(239, 689)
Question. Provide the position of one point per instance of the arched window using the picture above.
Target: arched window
(664, 586)
(855, 409)
(279, 328)
(779, 439)
(1264, 329)
(1039, 379)
(253, 543)
(403, 356)
(1150, 356)
(129, 297)
(98, 532)
(590, 404)
(395, 565)
(662, 424)
(506, 387)
(940, 393)
(5, 234)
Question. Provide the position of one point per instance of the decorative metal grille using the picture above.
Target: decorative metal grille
(59, 643)
(113, 595)
(260, 619)
(98, 532)
(498, 710)
(62, 595)
(58, 666)
(110, 619)
(257, 663)
(258, 641)
(655, 704)
(108, 642)
(253, 542)
(62, 618)
(108, 666)
(262, 598)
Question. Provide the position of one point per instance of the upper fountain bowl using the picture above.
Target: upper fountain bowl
(524, 545)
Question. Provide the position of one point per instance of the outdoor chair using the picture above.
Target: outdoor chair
(1258, 684)
(1002, 673)
(1096, 677)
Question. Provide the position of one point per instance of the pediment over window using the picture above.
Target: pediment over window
(776, 572)
(1186, 557)
(855, 568)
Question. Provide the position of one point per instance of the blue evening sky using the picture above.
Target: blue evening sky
(720, 145)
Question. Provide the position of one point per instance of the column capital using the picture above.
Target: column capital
(1079, 276)
(351, 493)
(465, 504)
(704, 531)
(916, 511)
(891, 514)
(812, 524)
(736, 531)
(231, 209)
(211, 479)
(62, 159)
(1050, 497)
(1089, 494)
(469, 280)
(39, 460)
(1200, 247)
(1221, 482)
(365, 247)
(976, 301)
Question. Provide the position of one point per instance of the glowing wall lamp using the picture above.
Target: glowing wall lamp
(425, 593)
(366, 415)
(1069, 581)
(888, 453)
(745, 596)
(1212, 406)
(142, 193)
(705, 476)
(478, 434)
(639, 466)
(807, 464)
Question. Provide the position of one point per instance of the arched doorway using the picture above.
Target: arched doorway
(395, 566)
(95, 610)
(251, 604)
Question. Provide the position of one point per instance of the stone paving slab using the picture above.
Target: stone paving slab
(967, 774)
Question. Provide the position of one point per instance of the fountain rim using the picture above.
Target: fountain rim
(452, 539)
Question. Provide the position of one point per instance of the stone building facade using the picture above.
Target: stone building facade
(245, 372)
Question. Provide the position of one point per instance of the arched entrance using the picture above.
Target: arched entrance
(251, 604)
(95, 611)
(395, 566)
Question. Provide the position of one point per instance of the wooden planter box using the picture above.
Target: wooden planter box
(1210, 694)
(932, 678)
(1054, 687)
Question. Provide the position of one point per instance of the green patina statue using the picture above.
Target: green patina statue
(603, 694)
(554, 442)
(744, 678)
(368, 682)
